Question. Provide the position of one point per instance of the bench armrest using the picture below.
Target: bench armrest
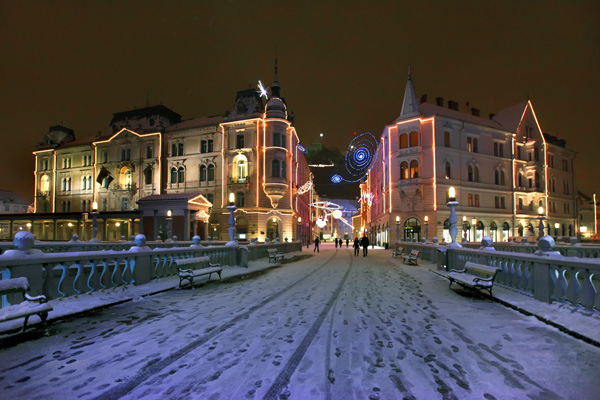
(491, 278)
(189, 271)
(40, 299)
(458, 270)
(214, 265)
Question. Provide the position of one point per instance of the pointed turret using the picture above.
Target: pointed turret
(275, 88)
(410, 104)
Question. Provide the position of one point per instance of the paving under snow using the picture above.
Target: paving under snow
(330, 327)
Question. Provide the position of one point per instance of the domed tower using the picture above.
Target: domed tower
(277, 146)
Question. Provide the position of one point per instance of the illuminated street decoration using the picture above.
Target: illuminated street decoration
(305, 188)
(360, 157)
(302, 148)
(367, 197)
(262, 91)
(321, 222)
(337, 214)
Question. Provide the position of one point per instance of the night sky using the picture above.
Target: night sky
(342, 65)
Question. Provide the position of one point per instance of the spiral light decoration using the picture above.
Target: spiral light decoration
(360, 158)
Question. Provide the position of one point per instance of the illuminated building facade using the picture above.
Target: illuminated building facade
(503, 169)
(251, 152)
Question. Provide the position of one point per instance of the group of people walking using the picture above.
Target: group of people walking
(363, 242)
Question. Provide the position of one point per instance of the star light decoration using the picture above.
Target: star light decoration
(360, 157)
(262, 91)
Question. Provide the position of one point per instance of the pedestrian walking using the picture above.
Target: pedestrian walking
(336, 243)
(356, 246)
(317, 245)
(364, 242)
(347, 242)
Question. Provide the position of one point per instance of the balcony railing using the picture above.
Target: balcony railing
(238, 180)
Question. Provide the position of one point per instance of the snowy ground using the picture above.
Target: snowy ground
(330, 327)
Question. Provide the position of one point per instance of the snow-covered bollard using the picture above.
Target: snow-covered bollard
(158, 238)
(74, 238)
(546, 246)
(267, 240)
(424, 240)
(23, 241)
(486, 244)
(196, 242)
(574, 241)
(434, 240)
(142, 271)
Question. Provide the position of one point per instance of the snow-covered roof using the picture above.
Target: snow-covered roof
(428, 110)
(196, 123)
(510, 117)
(10, 197)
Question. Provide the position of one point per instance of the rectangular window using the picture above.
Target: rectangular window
(497, 201)
(501, 148)
(495, 149)
(149, 152)
(475, 150)
(551, 161)
(469, 145)
(239, 142)
(105, 156)
(518, 152)
(203, 146)
(530, 182)
(470, 200)
(125, 154)
(446, 138)
(180, 148)
(210, 146)
(502, 202)
(476, 200)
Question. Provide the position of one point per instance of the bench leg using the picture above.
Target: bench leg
(25, 323)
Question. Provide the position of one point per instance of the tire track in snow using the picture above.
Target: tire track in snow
(154, 366)
(284, 376)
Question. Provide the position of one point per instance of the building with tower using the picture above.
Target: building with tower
(150, 161)
(504, 168)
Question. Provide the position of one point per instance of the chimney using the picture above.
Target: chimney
(452, 105)
(423, 99)
(439, 101)
(475, 112)
(492, 116)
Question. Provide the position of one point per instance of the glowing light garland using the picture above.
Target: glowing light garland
(262, 91)
(360, 157)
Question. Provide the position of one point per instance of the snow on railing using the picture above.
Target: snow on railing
(58, 275)
(547, 275)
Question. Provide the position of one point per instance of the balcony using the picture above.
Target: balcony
(238, 180)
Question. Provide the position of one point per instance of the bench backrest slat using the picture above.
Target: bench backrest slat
(14, 285)
(480, 269)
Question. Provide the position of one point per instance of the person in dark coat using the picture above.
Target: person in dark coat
(336, 243)
(347, 242)
(364, 242)
(356, 246)
(317, 245)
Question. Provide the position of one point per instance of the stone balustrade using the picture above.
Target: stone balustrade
(548, 278)
(57, 275)
(567, 250)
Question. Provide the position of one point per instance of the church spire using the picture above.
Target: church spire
(275, 88)
(410, 104)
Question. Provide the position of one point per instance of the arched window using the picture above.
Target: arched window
(404, 170)
(502, 180)
(211, 172)
(404, 141)
(239, 199)
(283, 170)
(448, 170)
(414, 138)
(275, 169)
(125, 179)
(496, 177)
(476, 174)
(241, 168)
(83, 182)
(45, 184)
(414, 169)
(181, 175)
(470, 173)
(203, 173)
(148, 174)
(173, 175)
